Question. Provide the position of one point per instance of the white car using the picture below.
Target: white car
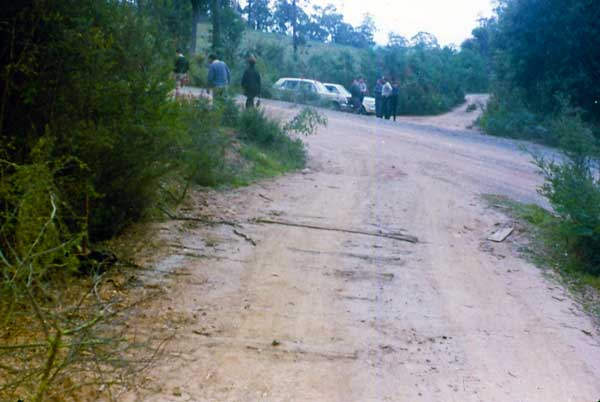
(311, 88)
(368, 103)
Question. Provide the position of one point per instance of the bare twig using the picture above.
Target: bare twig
(265, 197)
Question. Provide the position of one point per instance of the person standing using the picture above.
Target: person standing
(394, 99)
(378, 99)
(355, 92)
(180, 70)
(363, 89)
(386, 95)
(251, 82)
(218, 77)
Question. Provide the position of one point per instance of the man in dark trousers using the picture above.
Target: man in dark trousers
(251, 82)
(394, 99)
(378, 99)
(356, 96)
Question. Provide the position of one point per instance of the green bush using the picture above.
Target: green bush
(573, 188)
(275, 138)
(506, 115)
(255, 127)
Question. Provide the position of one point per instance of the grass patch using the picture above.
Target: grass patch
(547, 248)
(264, 163)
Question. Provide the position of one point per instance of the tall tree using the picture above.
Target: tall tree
(215, 12)
(326, 21)
(198, 16)
(396, 40)
(551, 47)
(259, 15)
(295, 27)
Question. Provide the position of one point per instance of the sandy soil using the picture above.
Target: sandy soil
(315, 315)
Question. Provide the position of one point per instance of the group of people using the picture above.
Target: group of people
(219, 77)
(386, 96)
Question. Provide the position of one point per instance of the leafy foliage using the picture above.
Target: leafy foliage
(549, 47)
(543, 52)
(573, 188)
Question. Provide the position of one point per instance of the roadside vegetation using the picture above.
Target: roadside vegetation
(545, 245)
(544, 56)
(92, 140)
(543, 59)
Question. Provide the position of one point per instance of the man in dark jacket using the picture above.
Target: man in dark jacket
(251, 83)
(181, 69)
(356, 96)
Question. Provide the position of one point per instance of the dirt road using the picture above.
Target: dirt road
(315, 315)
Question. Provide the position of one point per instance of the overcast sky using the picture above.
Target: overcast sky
(451, 21)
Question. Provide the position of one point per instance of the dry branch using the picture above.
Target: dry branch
(245, 237)
(206, 220)
(394, 236)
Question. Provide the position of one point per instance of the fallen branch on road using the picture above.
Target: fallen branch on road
(394, 236)
(208, 221)
(245, 237)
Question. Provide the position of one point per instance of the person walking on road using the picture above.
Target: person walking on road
(218, 77)
(386, 94)
(251, 82)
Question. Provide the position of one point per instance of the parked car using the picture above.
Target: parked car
(368, 103)
(310, 90)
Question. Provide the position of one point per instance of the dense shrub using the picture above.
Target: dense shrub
(507, 116)
(88, 79)
(573, 188)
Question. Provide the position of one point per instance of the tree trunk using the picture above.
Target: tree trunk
(294, 34)
(215, 8)
(250, 22)
(195, 20)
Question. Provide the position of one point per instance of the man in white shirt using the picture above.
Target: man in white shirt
(386, 93)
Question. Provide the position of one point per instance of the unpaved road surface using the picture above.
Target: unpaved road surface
(315, 315)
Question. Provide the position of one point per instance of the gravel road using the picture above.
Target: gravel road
(309, 314)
